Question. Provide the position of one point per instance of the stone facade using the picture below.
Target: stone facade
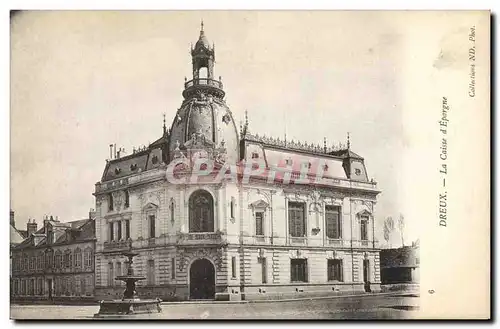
(55, 263)
(234, 238)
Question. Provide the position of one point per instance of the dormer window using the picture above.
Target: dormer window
(133, 167)
(117, 171)
(357, 171)
(325, 167)
(255, 155)
(288, 162)
(155, 159)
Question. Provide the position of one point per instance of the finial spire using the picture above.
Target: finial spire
(348, 141)
(324, 144)
(245, 127)
(164, 125)
(201, 25)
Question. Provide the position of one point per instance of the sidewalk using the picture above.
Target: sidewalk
(392, 293)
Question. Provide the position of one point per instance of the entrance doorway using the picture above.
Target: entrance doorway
(202, 280)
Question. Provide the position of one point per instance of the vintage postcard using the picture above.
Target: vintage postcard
(250, 165)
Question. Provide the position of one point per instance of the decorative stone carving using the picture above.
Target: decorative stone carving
(118, 197)
(226, 119)
(185, 256)
(295, 145)
(316, 210)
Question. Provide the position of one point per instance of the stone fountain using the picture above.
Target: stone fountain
(130, 304)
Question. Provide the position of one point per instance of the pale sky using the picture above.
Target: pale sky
(83, 80)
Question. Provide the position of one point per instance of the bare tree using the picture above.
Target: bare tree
(401, 226)
(388, 228)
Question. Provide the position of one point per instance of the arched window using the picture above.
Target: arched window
(201, 212)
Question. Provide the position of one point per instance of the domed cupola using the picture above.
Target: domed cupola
(204, 121)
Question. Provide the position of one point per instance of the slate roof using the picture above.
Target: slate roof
(65, 233)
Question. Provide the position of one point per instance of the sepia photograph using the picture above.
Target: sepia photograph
(242, 164)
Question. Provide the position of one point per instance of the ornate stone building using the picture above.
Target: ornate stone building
(55, 262)
(301, 224)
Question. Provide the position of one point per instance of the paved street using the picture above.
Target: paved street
(396, 306)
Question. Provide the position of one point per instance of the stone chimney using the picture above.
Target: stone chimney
(31, 227)
(12, 220)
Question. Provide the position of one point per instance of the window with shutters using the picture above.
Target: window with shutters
(296, 219)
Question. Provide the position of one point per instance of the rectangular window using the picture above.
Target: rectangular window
(127, 199)
(82, 285)
(298, 270)
(259, 223)
(152, 226)
(78, 288)
(335, 270)
(263, 265)
(173, 268)
(296, 219)
(364, 228)
(32, 287)
(233, 267)
(124, 269)
(151, 272)
(111, 231)
(119, 272)
(127, 229)
(119, 235)
(111, 275)
(232, 207)
(332, 217)
(78, 259)
(110, 202)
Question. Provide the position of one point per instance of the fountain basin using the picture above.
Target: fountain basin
(114, 308)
